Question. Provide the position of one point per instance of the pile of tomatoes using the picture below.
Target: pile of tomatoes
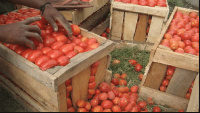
(109, 98)
(150, 3)
(56, 49)
(183, 34)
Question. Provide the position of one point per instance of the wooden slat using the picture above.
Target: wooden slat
(155, 76)
(96, 17)
(186, 11)
(181, 82)
(23, 102)
(193, 105)
(62, 98)
(80, 86)
(178, 60)
(101, 72)
(156, 11)
(82, 14)
(68, 15)
(130, 21)
(81, 61)
(28, 67)
(108, 76)
(23, 95)
(102, 27)
(42, 94)
(155, 29)
(163, 98)
(141, 29)
(117, 25)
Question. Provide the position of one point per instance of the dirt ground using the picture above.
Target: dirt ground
(8, 104)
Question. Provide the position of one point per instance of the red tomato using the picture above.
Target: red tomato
(104, 87)
(165, 83)
(97, 109)
(138, 67)
(48, 64)
(54, 54)
(26, 53)
(116, 109)
(123, 102)
(76, 29)
(111, 95)
(80, 103)
(163, 88)
(41, 59)
(63, 60)
(66, 48)
(88, 106)
(61, 38)
(142, 104)
(94, 102)
(103, 96)
(34, 55)
(115, 81)
(91, 41)
(133, 62)
(57, 45)
(71, 54)
(92, 85)
(78, 49)
(107, 104)
(46, 50)
(134, 89)
(156, 109)
(49, 41)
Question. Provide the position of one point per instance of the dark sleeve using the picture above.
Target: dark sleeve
(6, 7)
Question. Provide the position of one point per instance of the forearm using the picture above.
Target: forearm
(30, 3)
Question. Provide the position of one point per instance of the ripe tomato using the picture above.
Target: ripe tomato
(66, 48)
(97, 109)
(134, 89)
(81, 110)
(46, 50)
(41, 60)
(150, 101)
(92, 85)
(111, 95)
(88, 106)
(138, 67)
(103, 96)
(49, 41)
(165, 83)
(61, 38)
(76, 29)
(116, 109)
(63, 60)
(69, 103)
(54, 54)
(163, 88)
(123, 83)
(57, 45)
(48, 64)
(133, 62)
(142, 104)
(141, 77)
(107, 104)
(71, 109)
(34, 55)
(124, 76)
(115, 81)
(156, 109)
(116, 62)
(71, 54)
(80, 103)
(94, 102)
(123, 102)
(104, 87)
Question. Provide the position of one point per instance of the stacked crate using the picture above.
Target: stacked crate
(187, 69)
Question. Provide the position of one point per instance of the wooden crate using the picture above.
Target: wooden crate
(78, 16)
(45, 91)
(124, 18)
(101, 28)
(185, 73)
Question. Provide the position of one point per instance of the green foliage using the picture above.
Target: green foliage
(124, 55)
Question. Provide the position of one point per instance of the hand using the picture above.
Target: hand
(51, 14)
(19, 33)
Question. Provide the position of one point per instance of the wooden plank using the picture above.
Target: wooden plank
(81, 61)
(81, 14)
(42, 94)
(155, 29)
(155, 76)
(163, 98)
(23, 102)
(193, 105)
(130, 22)
(62, 98)
(181, 82)
(178, 60)
(28, 67)
(68, 15)
(102, 27)
(141, 29)
(80, 86)
(96, 17)
(23, 95)
(117, 25)
(186, 11)
(101, 72)
(108, 76)
(155, 11)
